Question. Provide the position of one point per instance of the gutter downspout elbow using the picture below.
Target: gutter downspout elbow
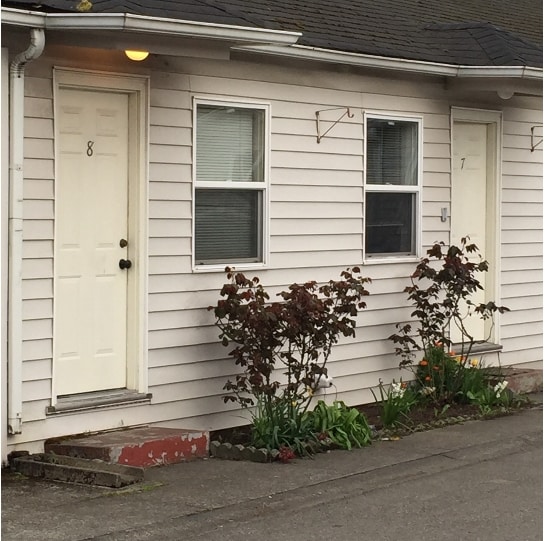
(15, 230)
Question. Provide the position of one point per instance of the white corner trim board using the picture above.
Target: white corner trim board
(15, 230)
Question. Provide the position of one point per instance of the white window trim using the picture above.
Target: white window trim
(418, 189)
(259, 186)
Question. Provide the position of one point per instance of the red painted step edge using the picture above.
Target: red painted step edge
(160, 452)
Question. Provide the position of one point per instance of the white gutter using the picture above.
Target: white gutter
(126, 22)
(396, 64)
(15, 229)
(514, 72)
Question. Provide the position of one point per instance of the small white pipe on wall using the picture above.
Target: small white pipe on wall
(15, 229)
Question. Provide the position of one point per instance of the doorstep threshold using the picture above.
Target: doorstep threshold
(479, 347)
(98, 400)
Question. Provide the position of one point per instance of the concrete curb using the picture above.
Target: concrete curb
(76, 470)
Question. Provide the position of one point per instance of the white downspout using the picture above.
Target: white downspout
(15, 231)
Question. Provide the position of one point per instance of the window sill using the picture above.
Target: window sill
(222, 268)
(389, 260)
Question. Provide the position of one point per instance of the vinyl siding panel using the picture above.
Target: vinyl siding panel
(315, 230)
(38, 227)
(521, 329)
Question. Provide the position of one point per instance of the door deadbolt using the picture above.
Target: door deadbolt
(123, 243)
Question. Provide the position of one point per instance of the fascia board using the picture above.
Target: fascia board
(147, 25)
(355, 59)
(396, 64)
(513, 72)
(17, 17)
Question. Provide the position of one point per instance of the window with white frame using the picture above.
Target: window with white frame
(230, 183)
(393, 155)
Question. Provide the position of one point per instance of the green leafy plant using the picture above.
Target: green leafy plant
(281, 426)
(446, 377)
(345, 427)
(492, 397)
(282, 347)
(441, 412)
(395, 402)
(441, 292)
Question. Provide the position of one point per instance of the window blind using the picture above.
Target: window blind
(228, 225)
(392, 152)
(229, 144)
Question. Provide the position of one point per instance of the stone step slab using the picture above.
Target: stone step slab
(142, 447)
(68, 469)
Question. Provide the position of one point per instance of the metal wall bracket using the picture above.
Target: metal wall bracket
(533, 145)
(318, 120)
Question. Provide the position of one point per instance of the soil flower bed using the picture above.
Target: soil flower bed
(235, 443)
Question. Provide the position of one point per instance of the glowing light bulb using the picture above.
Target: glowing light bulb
(137, 56)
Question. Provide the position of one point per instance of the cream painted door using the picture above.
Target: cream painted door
(91, 213)
(469, 213)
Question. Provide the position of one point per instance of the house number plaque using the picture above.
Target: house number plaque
(90, 148)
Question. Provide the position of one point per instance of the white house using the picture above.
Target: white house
(288, 139)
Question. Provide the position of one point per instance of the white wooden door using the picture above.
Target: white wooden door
(469, 213)
(91, 213)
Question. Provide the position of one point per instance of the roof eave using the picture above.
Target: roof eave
(396, 64)
(147, 25)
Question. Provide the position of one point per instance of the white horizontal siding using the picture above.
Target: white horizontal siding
(38, 226)
(316, 230)
(521, 238)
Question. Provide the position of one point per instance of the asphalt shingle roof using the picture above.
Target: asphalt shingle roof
(465, 32)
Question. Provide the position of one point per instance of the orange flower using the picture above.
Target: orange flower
(435, 367)
(423, 362)
(452, 353)
(403, 385)
(428, 378)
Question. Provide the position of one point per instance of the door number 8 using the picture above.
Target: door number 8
(89, 151)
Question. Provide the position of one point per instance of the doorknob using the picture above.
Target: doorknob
(125, 263)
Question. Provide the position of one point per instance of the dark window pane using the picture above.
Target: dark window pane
(228, 226)
(392, 152)
(390, 223)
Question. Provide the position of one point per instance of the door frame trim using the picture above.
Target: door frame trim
(137, 90)
(493, 121)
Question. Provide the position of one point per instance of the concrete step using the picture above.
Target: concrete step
(141, 447)
(77, 470)
(523, 380)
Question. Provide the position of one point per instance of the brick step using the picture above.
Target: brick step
(142, 447)
(77, 470)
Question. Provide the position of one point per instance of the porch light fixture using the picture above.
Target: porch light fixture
(137, 56)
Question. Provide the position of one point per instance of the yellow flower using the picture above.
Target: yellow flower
(474, 362)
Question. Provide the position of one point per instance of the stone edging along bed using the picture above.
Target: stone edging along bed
(227, 451)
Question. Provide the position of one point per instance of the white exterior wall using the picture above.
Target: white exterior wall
(316, 191)
(522, 235)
